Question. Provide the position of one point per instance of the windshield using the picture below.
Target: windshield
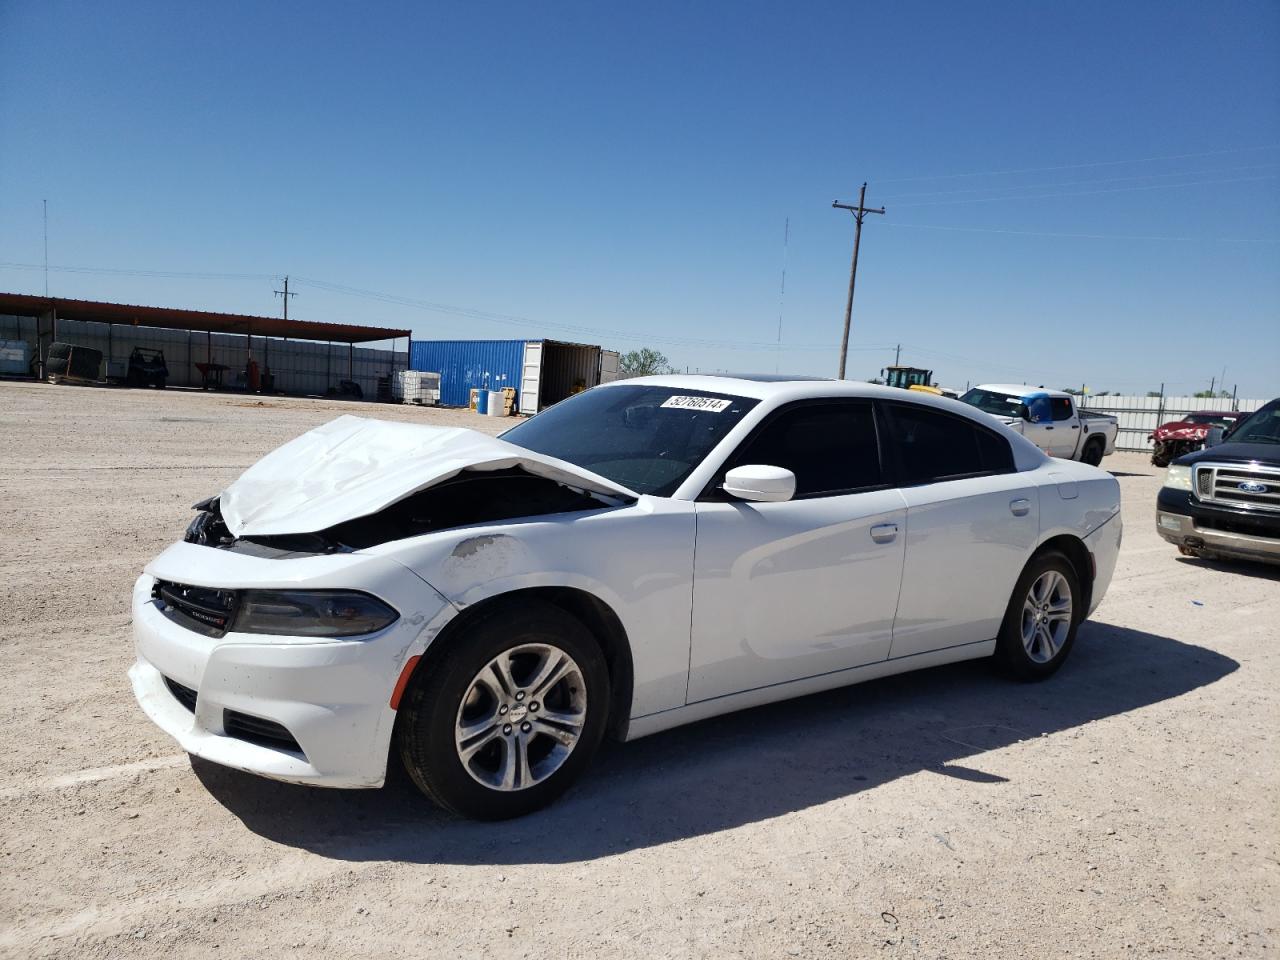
(1261, 427)
(647, 438)
(1218, 419)
(998, 404)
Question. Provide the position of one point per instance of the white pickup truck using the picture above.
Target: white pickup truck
(1048, 418)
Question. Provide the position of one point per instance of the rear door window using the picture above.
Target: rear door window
(931, 445)
(1061, 408)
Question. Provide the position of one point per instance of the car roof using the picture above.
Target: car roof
(787, 389)
(1019, 389)
(768, 387)
(773, 393)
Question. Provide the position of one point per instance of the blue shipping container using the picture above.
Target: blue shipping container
(467, 364)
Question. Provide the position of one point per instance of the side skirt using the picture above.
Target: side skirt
(690, 713)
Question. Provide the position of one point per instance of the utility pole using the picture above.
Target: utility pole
(46, 247)
(286, 295)
(897, 354)
(860, 211)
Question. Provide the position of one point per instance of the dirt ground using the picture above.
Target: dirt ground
(1127, 807)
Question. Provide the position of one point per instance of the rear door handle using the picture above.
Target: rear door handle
(1020, 507)
(884, 532)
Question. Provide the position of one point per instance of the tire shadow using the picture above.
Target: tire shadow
(745, 767)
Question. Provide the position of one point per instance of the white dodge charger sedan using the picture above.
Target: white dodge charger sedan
(645, 554)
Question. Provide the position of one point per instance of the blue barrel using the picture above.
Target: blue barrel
(482, 401)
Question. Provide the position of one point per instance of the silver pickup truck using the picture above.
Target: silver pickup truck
(1050, 419)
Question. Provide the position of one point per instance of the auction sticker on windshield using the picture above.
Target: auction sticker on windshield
(712, 404)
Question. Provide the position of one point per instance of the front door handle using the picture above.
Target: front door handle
(884, 532)
(1020, 507)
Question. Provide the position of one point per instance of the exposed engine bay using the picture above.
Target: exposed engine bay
(470, 497)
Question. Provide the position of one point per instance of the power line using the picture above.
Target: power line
(1091, 193)
(467, 312)
(1085, 183)
(1082, 166)
(160, 274)
(624, 335)
(1077, 236)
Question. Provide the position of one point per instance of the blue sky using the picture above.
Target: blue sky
(629, 169)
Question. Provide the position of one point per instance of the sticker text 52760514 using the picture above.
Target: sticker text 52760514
(710, 404)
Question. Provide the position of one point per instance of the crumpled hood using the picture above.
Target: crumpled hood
(353, 466)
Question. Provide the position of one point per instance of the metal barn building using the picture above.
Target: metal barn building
(543, 372)
(302, 356)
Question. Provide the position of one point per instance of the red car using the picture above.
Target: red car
(1172, 440)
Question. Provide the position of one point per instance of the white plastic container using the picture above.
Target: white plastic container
(496, 404)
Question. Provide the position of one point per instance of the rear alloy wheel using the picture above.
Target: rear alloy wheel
(509, 715)
(1040, 623)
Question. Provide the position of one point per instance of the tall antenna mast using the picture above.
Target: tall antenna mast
(782, 292)
(46, 246)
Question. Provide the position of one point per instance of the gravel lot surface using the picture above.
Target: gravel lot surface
(1127, 807)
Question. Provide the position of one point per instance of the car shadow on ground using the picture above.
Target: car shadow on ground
(1245, 568)
(745, 767)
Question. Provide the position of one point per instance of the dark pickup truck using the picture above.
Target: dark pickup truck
(1224, 500)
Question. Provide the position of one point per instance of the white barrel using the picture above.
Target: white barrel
(495, 403)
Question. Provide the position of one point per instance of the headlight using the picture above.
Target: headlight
(1178, 477)
(311, 613)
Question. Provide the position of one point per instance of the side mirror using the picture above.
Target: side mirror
(760, 483)
(1214, 436)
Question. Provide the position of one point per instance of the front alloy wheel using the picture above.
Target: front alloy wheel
(502, 717)
(522, 717)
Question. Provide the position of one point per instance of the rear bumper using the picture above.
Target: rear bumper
(1195, 527)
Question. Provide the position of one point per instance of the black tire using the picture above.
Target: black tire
(1011, 650)
(1160, 458)
(1093, 451)
(160, 383)
(432, 704)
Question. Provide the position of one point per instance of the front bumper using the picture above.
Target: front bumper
(331, 696)
(1196, 527)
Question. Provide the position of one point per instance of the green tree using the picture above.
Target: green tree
(643, 363)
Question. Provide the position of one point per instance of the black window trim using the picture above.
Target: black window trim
(894, 446)
(713, 492)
